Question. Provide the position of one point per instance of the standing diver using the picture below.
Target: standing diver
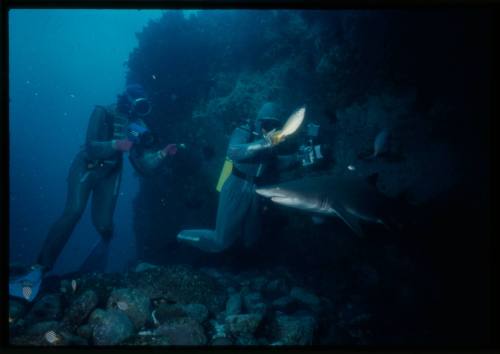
(96, 170)
(252, 155)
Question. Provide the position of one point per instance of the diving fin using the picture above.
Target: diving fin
(97, 260)
(26, 286)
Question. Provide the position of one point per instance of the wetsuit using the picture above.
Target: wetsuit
(96, 170)
(238, 211)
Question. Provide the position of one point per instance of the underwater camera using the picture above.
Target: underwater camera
(310, 152)
(140, 135)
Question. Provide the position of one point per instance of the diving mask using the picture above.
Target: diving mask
(140, 106)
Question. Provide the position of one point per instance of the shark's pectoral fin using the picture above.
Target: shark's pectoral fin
(350, 219)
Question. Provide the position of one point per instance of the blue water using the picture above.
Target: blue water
(62, 63)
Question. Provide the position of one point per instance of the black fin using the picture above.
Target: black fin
(373, 179)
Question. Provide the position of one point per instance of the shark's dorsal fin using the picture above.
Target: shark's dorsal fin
(373, 179)
(350, 219)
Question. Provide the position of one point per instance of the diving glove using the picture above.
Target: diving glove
(27, 285)
(274, 137)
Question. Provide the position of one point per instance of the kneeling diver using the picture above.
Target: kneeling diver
(96, 170)
(252, 156)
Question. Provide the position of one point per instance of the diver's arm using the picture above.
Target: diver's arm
(146, 161)
(239, 150)
(97, 149)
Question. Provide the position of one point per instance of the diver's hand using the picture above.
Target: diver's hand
(274, 137)
(122, 145)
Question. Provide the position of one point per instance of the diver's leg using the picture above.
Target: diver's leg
(103, 207)
(234, 200)
(252, 223)
(80, 182)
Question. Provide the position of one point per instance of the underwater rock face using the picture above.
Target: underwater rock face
(183, 331)
(46, 309)
(134, 303)
(111, 327)
(80, 308)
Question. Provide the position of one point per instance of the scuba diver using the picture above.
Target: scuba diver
(251, 157)
(96, 170)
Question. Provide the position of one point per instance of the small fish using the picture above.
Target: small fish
(294, 122)
(52, 337)
(122, 305)
(72, 95)
(145, 333)
(73, 285)
(27, 292)
(351, 168)
(11, 319)
(153, 76)
(380, 143)
(155, 320)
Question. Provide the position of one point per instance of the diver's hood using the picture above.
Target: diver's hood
(267, 115)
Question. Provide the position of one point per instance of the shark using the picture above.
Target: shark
(350, 198)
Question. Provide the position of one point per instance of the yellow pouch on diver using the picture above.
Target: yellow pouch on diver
(227, 168)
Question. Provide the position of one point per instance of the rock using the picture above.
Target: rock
(102, 284)
(85, 331)
(245, 324)
(257, 284)
(286, 304)
(48, 308)
(221, 341)
(96, 316)
(254, 303)
(276, 288)
(134, 303)
(197, 312)
(293, 330)
(144, 266)
(307, 298)
(80, 308)
(59, 338)
(111, 327)
(16, 310)
(184, 331)
(180, 284)
(43, 327)
(234, 304)
(147, 340)
(246, 340)
(169, 312)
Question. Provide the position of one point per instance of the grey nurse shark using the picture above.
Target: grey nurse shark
(350, 198)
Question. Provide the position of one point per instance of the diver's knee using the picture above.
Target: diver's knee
(72, 214)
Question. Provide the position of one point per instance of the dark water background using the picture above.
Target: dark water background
(425, 74)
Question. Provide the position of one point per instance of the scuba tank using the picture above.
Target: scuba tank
(227, 168)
